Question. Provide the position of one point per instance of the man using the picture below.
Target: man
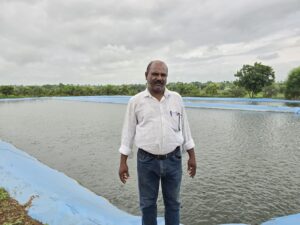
(157, 122)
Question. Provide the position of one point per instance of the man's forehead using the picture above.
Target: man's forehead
(155, 65)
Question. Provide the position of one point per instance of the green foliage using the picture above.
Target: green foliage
(185, 89)
(211, 89)
(270, 91)
(255, 78)
(293, 84)
(193, 89)
(3, 194)
(281, 86)
(7, 90)
(69, 90)
(236, 91)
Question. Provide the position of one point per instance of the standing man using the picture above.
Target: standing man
(156, 121)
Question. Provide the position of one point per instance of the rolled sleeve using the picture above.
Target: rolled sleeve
(188, 142)
(124, 150)
(189, 145)
(128, 131)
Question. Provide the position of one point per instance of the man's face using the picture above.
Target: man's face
(157, 77)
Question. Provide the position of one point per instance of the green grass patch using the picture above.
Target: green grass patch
(3, 194)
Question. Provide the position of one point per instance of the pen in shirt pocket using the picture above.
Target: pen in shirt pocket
(174, 112)
(177, 114)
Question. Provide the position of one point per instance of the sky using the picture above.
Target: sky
(111, 42)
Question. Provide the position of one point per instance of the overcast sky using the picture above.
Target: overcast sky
(110, 41)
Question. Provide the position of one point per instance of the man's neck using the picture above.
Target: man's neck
(157, 95)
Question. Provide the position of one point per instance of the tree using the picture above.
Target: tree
(281, 87)
(235, 91)
(255, 78)
(270, 91)
(211, 89)
(292, 90)
(7, 90)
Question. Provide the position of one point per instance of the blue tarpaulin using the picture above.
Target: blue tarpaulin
(201, 102)
(61, 200)
(191, 102)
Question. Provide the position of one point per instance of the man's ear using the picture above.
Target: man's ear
(146, 75)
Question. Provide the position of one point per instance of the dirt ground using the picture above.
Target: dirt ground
(12, 213)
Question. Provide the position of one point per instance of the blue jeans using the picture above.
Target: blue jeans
(150, 172)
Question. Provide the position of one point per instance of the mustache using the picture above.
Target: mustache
(158, 82)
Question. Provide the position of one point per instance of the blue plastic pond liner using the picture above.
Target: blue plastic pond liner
(101, 99)
(188, 101)
(285, 220)
(22, 99)
(258, 108)
(190, 104)
(60, 199)
(240, 99)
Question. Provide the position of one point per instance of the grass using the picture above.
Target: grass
(12, 96)
(13, 213)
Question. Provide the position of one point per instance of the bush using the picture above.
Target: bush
(7, 90)
(270, 91)
(236, 91)
(292, 90)
(211, 89)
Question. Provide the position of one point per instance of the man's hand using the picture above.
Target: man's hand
(191, 164)
(123, 170)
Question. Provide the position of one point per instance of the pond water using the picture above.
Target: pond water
(248, 162)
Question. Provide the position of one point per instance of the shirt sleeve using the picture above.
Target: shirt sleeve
(188, 142)
(128, 131)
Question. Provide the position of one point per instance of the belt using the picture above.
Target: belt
(161, 157)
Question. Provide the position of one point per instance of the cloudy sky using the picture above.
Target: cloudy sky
(110, 41)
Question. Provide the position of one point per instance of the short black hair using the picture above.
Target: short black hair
(148, 67)
(150, 64)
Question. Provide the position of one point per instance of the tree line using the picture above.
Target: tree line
(252, 81)
(193, 89)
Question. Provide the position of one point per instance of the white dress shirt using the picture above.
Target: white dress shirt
(156, 126)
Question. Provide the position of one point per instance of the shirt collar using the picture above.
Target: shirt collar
(148, 94)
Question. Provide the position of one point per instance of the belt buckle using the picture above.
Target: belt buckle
(161, 157)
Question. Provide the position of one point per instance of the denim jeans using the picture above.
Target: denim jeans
(151, 172)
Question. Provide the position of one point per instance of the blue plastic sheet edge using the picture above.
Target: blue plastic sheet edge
(25, 178)
(59, 199)
(188, 101)
(191, 104)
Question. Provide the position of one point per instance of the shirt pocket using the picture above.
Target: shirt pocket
(146, 126)
(175, 120)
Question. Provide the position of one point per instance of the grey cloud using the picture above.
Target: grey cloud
(86, 41)
(268, 56)
(230, 23)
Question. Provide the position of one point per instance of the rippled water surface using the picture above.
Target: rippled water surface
(248, 162)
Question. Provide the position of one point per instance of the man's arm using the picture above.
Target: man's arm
(188, 144)
(191, 164)
(128, 133)
(123, 169)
